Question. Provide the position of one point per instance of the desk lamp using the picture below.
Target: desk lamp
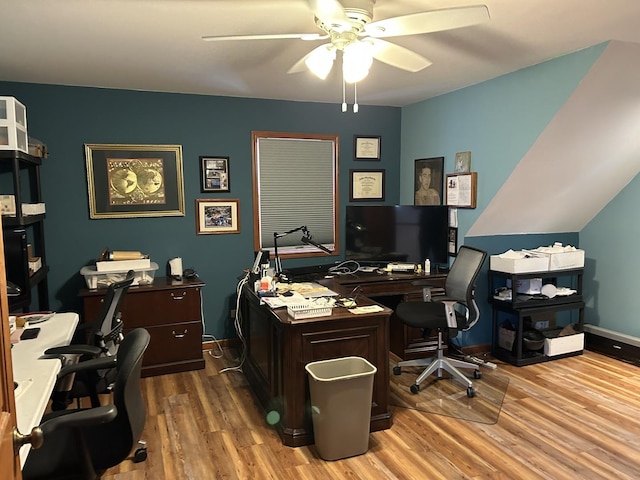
(306, 238)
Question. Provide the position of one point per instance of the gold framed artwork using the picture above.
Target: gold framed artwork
(217, 216)
(134, 180)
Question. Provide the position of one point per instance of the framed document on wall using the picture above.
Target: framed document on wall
(366, 185)
(462, 189)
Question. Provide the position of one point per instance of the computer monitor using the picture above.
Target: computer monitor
(380, 234)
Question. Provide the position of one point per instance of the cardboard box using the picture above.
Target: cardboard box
(564, 260)
(559, 345)
(530, 263)
(562, 257)
(35, 263)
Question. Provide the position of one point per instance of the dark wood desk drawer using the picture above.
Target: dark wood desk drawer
(174, 345)
(170, 311)
(162, 307)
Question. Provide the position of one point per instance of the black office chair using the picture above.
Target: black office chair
(456, 311)
(83, 443)
(95, 339)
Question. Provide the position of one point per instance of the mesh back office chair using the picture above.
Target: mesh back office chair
(457, 310)
(83, 443)
(91, 340)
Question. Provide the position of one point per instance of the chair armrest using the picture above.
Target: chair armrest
(74, 350)
(79, 418)
(93, 364)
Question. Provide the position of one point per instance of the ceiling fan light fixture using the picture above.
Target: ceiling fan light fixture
(357, 58)
(321, 61)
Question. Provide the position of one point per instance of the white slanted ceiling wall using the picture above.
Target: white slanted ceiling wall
(586, 155)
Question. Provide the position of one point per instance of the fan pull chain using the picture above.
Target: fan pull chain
(344, 98)
(355, 97)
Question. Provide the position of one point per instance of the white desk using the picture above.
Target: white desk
(35, 375)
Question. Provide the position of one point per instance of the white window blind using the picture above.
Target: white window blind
(296, 178)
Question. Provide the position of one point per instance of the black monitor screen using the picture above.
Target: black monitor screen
(379, 234)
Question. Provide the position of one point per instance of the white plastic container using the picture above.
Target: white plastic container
(96, 279)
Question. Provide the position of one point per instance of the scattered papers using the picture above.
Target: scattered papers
(366, 309)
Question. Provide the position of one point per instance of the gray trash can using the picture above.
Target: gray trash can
(341, 391)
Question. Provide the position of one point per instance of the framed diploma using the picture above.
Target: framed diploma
(366, 147)
(366, 185)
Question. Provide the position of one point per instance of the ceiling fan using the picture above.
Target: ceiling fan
(349, 28)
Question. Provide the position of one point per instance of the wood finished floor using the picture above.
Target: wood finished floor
(575, 418)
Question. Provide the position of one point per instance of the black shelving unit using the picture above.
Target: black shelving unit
(523, 306)
(24, 172)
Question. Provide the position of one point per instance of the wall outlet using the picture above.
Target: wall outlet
(232, 313)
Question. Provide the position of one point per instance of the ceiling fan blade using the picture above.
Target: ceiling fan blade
(329, 11)
(300, 65)
(277, 36)
(427, 22)
(397, 56)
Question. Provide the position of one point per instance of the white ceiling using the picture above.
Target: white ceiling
(155, 45)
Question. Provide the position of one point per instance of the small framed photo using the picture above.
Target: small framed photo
(366, 185)
(366, 147)
(453, 241)
(214, 174)
(217, 216)
(463, 162)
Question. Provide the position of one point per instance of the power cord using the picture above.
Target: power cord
(238, 326)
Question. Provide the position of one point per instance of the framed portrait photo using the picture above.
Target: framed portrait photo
(366, 185)
(366, 147)
(453, 241)
(217, 216)
(428, 180)
(214, 174)
(134, 180)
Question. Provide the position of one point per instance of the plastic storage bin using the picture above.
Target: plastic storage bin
(341, 392)
(97, 279)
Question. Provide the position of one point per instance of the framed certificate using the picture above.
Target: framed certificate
(366, 185)
(366, 147)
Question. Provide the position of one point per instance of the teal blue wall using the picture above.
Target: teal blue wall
(65, 118)
(497, 121)
(611, 278)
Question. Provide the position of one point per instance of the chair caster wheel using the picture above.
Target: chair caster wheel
(471, 392)
(397, 370)
(477, 374)
(414, 388)
(140, 455)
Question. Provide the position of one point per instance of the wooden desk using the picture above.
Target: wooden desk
(278, 348)
(36, 375)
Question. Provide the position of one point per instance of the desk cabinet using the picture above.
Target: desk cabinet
(278, 349)
(171, 311)
(390, 290)
(522, 307)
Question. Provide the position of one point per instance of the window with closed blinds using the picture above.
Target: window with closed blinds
(295, 184)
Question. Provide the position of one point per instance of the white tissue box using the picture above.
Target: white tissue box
(530, 286)
(532, 263)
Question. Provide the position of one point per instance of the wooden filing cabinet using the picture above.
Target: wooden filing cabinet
(171, 311)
